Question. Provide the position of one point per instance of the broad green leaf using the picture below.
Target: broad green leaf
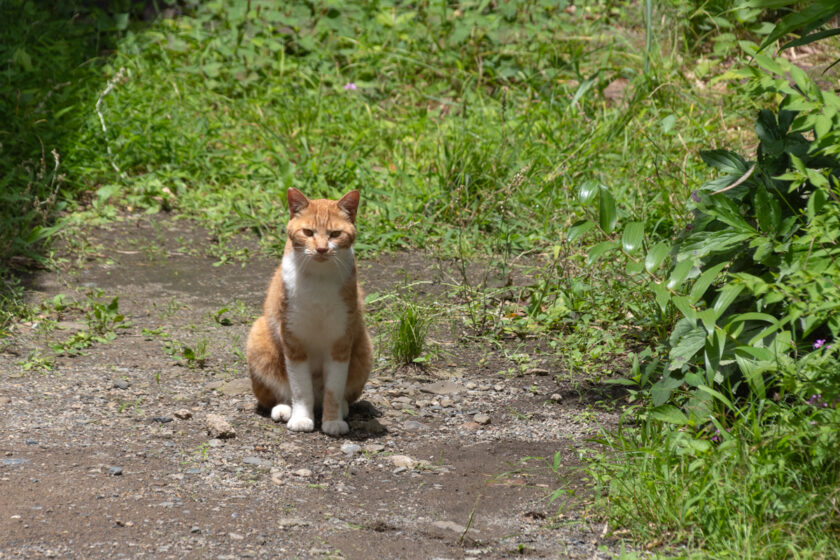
(702, 284)
(726, 295)
(633, 236)
(684, 305)
(679, 274)
(656, 255)
(767, 210)
(607, 215)
(600, 249)
(669, 414)
(724, 160)
(579, 229)
(687, 340)
(587, 191)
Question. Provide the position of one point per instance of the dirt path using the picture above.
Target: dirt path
(107, 454)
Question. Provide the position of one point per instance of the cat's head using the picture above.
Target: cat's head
(321, 228)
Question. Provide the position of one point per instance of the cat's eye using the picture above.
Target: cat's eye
(308, 232)
(335, 234)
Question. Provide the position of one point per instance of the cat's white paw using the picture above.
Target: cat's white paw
(281, 413)
(335, 427)
(301, 424)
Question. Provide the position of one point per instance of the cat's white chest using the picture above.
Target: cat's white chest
(316, 313)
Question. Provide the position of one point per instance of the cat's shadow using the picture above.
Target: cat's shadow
(361, 412)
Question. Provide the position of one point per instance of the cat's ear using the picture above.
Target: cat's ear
(350, 203)
(297, 202)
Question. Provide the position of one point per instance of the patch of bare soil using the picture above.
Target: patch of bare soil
(108, 454)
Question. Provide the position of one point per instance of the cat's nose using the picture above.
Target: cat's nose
(323, 250)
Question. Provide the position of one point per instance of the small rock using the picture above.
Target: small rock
(183, 414)
(162, 419)
(115, 471)
(31, 441)
(402, 461)
(446, 402)
(536, 371)
(399, 470)
(556, 397)
(471, 426)
(471, 385)
(482, 419)
(413, 426)
(498, 387)
(219, 427)
(373, 448)
(449, 526)
(240, 386)
(195, 529)
(121, 384)
(350, 448)
(303, 473)
(236, 536)
(285, 522)
(256, 461)
(15, 461)
(442, 388)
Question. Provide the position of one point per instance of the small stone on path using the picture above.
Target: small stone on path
(115, 471)
(239, 386)
(556, 397)
(13, 462)
(183, 414)
(481, 419)
(121, 384)
(442, 388)
(219, 427)
(402, 461)
(413, 426)
(471, 385)
(350, 448)
(303, 473)
(162, 419)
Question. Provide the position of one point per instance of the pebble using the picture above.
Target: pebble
(285, 522)
(413, 426)
(115, 471)
(399, 470)
(195, 529)
(442, 388)
(219, 427)
(303, 473)
(498, 387)
(402, 461)
(482, 419)
(162, 419)
(350, 448)
(31, 442)
(13, 462)
(556, 397)
(373, 448)
(256, 461)
(446, 402)
(471, 385)
(471, 426)
(450, 526)
(121, 384)
(183, 414)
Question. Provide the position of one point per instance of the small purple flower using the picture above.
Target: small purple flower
(695, 196)
(819, 343)
(350, 86)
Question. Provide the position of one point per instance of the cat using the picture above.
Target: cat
(310, 348)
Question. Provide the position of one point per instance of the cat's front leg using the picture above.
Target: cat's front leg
(335, 381)
(303, 398)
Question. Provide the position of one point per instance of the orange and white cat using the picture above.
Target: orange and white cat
(310, 349)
